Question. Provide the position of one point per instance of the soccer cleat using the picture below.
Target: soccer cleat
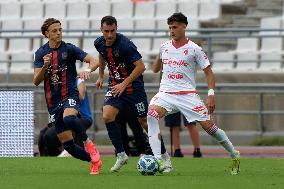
(197, 153)
(167, 162)
(90, 147)
(121, 160)
(95, 167)
(236, 164)
(161, 166)
(64, 153)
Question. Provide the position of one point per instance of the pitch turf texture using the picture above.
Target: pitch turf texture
(189, 173)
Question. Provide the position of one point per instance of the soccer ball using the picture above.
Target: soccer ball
(147, 165)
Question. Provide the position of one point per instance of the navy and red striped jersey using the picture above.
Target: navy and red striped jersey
(120, 58)
(60, 77)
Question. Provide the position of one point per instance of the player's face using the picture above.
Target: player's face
(177, 30)
(109, 33)
(54, 33)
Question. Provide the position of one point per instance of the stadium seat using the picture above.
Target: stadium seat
(161, 24)
(15, 24)
(270, 61)
(144, 9)
(270, 23)
(143, 44)
(32, 24)
(10, 11)
(269, 44)
(247, 61)
(77, 10)
(88, 44)
(165, 8)
(32, 10)
(122, 9)
(78, 24)
(209, 10)
(247, 44)
(19, 45)
(193, 24)
(99, 9)
(223, 61)
(95, 26)
(74, 40)
(188, 8)
(125, 24)
(144, 24)
(157, 42)
(55, 10)
(21, 63)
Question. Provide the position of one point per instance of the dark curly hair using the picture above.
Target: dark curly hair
(178, 17)
(47, 23)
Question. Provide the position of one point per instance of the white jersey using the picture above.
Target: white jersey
(179, 66)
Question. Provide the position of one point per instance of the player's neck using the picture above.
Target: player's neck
(180, 41)
(54, 45)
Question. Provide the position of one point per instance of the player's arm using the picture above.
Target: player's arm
(82, 89)
(138, 70)
(40, 72)
(157, 64)
(211, 86)
(93, 65)
(102, 66)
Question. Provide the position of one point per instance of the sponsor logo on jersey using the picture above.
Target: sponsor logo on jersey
(175, 63)
(175, 76)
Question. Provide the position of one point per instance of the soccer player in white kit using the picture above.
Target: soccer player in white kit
(180, 58)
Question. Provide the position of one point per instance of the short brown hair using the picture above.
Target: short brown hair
(47, 23)
(109, 20)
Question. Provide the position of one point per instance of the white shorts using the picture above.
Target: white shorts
(190, 105)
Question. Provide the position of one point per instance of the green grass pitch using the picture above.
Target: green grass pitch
(189, 173)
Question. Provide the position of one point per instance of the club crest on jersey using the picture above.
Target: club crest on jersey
(54, 79)
(64, 55)
(185, 52)
(116, 53)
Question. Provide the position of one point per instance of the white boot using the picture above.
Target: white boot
(121, 160)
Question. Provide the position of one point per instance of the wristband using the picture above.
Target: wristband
(88, 70)
(211, 92)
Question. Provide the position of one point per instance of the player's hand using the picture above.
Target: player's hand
(99, 83)
(86, 75)
(47, 59)
(118, 89)
(210, 104)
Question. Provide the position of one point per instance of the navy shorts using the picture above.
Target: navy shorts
(56, 116)
(137, 102)
(174, 119)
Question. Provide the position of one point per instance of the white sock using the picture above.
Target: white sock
(223, 139)
(153, 134)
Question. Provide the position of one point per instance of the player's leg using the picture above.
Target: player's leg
(71, 121)
(223, 139)
(194, 134)
(109, 114)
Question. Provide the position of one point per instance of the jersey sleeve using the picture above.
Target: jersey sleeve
(201, 58)
(38, 59)
(79, 54)
(131, 52)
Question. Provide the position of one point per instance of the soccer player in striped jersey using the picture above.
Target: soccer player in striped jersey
(125, 85)
(177, 91)
(54, 63)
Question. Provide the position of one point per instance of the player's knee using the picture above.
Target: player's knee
(108, 118)
(69, 146)
(69, 120)
(153, 114)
